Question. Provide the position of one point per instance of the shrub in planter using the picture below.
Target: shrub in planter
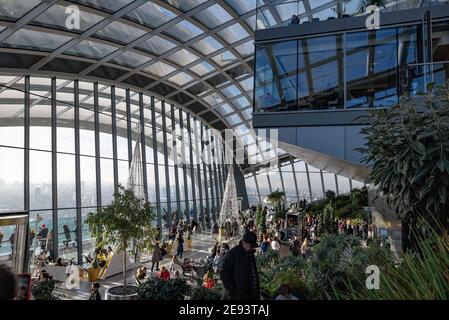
(44, 290)
(338, 260)
(289, 270)
(159, 289)
(268, 260)
(202, 293)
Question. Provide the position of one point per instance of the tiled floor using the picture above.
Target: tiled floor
(200, 245)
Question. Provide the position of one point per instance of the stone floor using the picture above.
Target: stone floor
(200, 245)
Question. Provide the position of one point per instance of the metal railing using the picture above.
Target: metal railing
(279, 13)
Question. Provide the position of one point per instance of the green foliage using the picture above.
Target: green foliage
(44, 290)
(326, 224)
(279, 213)
(316, 208)
(408, 151)
(415, 276)
(160, 289)
(201, 293)
(261, 220)
(337, 259)
(267, 260)
(276, 197)
(330, 195)
(289, 270)
(127, 217)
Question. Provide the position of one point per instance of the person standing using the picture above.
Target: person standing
(95, 292)
(238, 270)
(305, 248)
(67, 235)
(12, 239)
(295, 247)
(180, 249)
(275, 244)
(156, 257)
(264, 245)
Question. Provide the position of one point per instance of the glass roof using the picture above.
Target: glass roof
(12, 9)
(194, 53)
(151, 14)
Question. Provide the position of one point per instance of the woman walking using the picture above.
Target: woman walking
(156, 257)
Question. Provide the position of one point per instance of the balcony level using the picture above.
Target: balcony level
(315, 81)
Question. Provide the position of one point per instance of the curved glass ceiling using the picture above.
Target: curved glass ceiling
(194, 53)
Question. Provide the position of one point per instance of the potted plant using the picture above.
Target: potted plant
(127, 218)
(93, 271)
(44, 290)
(201, 292)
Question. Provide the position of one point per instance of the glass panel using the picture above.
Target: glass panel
(276, 67)
(329, 182)
(119, 32)
(242, 6)
(184, 5)
(11, 179)
(316, 186)
(241, 102)
(183, 57)
(371, 69)
(131, 59)
(66, 181)
(224, 58)
(224, 109)
(88, 182)
(107, 181)
(105, 5)
(202, 68)
(184, 31)
(159, 69)
(181, 78)
(213, 16)
(264, 187)
(231, 91)
(91, 49)
(207, 45)
(56, 17)
(233, 120)
(286, 10)
(343, 185)
(67, 235)
(13, 10)
(151, 14)
(11, 116)
(34, 40)
(246, 49)
(233, 33)
(247, 84)
(157, 45)
(40, 180)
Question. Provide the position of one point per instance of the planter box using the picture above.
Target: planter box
(93, 273)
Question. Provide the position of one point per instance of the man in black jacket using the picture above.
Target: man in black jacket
(239, 271)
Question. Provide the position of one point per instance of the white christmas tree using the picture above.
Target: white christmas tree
(135, 179)
(229, 207)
